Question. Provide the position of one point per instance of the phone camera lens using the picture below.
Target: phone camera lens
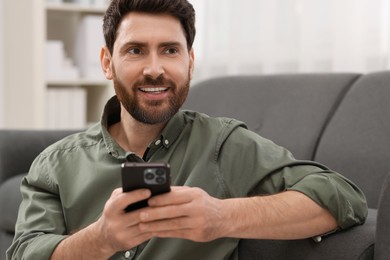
(160, 172)
(149, 176)
(160, 180)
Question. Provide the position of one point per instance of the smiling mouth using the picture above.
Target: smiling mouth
(153, 90)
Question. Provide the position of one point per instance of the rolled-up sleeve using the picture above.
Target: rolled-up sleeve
(252, 165)
(40, 218)
(344, 200)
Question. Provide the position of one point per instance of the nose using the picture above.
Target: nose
(153, 67)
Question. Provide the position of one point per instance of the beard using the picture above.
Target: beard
(153, 111)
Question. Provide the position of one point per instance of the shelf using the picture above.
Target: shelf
(71, 7)
(77, 82)
(49, 21)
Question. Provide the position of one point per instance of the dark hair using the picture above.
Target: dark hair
(180, 9)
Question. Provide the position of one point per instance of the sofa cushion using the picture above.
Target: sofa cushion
(356, 142)
(291, 110)
(10, 199)
(358, 244)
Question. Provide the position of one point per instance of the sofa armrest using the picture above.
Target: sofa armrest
(355, 243)
(382, 248)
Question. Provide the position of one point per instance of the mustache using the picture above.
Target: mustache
(147, 80)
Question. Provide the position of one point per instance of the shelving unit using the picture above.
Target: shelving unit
(26, 83)
(70, 7)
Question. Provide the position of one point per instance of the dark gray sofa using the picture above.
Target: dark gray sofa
(339, 119)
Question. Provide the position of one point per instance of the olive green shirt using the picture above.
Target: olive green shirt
(69, 183)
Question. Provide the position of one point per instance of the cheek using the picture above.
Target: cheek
(126, 74)
(180, 72)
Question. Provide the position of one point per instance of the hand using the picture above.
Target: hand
(117, 229)
(185, 212)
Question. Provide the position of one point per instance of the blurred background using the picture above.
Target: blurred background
(49, 49)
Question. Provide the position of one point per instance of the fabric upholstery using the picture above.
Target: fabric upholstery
(356, 141)
(382, 246)
(10, 197)
(18, 149)
(329, 248)
(291, 110)
(5, 242)
(9, 203)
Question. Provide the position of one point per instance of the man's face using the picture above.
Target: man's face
(151, 66)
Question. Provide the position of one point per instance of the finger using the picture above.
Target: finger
(166, 225)
(177, 195)
(119, 201)
(180, 187)
(116, 192)
(167, 212)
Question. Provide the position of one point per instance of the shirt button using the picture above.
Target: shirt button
(157, 142)
(166, 142)
(129, 254)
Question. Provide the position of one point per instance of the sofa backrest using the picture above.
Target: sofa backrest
(339, 119)
(291, 110)
(356, 141)
(18, 160)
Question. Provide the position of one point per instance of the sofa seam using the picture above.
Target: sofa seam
(334, 108)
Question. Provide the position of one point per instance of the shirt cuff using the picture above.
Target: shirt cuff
(42, 247)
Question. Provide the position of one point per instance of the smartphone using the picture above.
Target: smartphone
(152, 176)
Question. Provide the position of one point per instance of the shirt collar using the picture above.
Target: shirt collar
(111, 115)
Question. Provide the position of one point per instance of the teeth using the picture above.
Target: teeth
(153, 89)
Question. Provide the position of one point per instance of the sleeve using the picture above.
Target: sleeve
(40, 224)
(252, 165)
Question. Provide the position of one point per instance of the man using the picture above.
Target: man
(73, 204)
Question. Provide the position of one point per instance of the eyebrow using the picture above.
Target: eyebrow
(144, 44)
(173, 43)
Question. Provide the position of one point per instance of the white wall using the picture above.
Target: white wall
(1, 66)
(252, 37)
(291, 36)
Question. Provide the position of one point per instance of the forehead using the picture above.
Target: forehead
(146, 27)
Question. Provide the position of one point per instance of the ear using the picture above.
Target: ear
(192, 63)
(105, 61)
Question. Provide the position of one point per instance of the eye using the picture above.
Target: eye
(171, 51)
(135, 51)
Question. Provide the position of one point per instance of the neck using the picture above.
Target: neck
(133, 135)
